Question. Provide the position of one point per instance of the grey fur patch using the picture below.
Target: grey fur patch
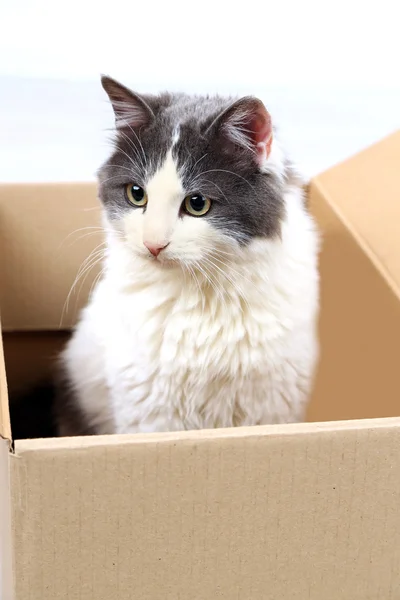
(247, 203)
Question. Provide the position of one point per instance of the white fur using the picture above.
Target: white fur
(165, 194)
(175, 136)
(235, 129)
(161, 348)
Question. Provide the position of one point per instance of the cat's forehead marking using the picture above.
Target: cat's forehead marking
(165, 185)
(165, 195)
(175, 135)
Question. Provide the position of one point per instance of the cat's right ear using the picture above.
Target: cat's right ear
(247, 124)
(130, 109)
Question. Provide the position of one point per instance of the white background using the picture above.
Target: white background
(327, 70)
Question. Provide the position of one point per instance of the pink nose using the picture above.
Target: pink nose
(155, 249)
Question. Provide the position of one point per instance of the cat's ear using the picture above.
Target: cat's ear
(247, 124)
(130, 109)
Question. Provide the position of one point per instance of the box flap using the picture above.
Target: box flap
(356, 205)
(262, 513)
(41, 225)
(365, 191)
(5, 428)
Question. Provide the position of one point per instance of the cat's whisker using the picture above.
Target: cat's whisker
(226, 226)
(195, 164)
(139, 142)
(206, 277)
(96, 280)
(88, 269)
(78, 231)
(210, 248)
(96, 255)
(241, 276)
(202, 296)
(93, 231)
(117, 177)
(98, 251)
(86, 272)
(228, 278)
(218, 188)
(213, 283)
(84, 236)
(139, 157)
(119, 167)
(228, 173)
(94, 258)
(135, 172)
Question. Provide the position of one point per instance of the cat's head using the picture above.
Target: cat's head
(191, 178)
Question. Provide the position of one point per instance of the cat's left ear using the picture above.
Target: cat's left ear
(247, 123)
(130, 109)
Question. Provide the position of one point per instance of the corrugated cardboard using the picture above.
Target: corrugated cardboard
(6, 565)
(297, 512)
(268, 513)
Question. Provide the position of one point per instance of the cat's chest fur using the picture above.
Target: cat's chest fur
(190, 356)
(189, 330)
(181, 356)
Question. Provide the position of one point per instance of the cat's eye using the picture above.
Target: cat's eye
(197, 205)
(135, 195)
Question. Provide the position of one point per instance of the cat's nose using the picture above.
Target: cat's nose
(155, 249)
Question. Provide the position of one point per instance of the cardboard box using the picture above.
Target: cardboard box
(309, 511)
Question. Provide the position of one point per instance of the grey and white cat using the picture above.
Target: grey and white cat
(206, 314)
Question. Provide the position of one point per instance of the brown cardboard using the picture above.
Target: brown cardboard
(356, 204)
(47, 232)
(6, 562)
(5, 430)
(305, 512)
(365, 191)
(6, 566)
(259, 513)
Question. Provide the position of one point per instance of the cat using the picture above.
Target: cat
(206, 315)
